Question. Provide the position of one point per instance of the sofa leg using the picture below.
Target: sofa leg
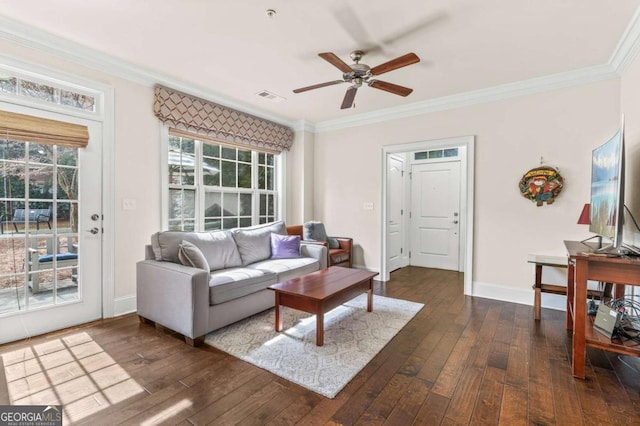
(195, 342)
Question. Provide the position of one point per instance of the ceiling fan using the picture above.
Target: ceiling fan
(359, 74)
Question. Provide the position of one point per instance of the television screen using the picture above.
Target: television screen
(607, 189)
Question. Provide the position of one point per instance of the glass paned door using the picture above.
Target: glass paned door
(50, 273)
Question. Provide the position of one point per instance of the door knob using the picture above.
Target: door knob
(94, 230)
(455, 221)
(95, 216)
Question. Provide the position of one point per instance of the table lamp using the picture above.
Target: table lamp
(585, 218)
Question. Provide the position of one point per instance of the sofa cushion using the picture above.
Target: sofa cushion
(190, 255)
(233, 283)
(285, 246)
(287, 268)
(218, 247)
(254, 243)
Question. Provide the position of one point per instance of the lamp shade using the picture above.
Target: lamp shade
(585, 218)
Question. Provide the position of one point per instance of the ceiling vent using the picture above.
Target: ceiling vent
(270, 96)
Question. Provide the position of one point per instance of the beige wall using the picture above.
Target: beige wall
(137, 177)
(511, 135)
(332, 174)
(299, 175)
(630, 106)
(136, 163)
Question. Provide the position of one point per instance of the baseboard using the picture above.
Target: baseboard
(124, 305)
(517, 295)
(376, 270)
(127, 304)
(554, 301)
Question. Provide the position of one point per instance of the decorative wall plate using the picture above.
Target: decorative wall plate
(541, 185)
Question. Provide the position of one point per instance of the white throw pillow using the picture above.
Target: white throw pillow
(190, 255)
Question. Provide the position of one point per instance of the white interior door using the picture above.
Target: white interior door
(395, 213)
(51, 277)
(435, 215)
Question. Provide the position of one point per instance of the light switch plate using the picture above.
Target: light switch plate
(128, 204)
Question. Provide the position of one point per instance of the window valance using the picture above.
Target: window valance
(188, 113)
(27, 128)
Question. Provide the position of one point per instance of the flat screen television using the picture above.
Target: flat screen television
(607, 191)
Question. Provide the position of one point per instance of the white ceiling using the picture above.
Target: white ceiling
(233, 50)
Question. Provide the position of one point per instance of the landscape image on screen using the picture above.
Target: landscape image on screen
(605, 181)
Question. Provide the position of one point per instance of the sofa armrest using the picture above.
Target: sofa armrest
(345, 243)
(173, 295)
(316, 251)
(319, 243)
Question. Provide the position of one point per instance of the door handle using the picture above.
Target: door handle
(455, 221)
(94, 230)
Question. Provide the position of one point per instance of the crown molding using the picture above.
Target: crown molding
(35, 38)
(628, 47)
(623, 56)
(304, 126)
(491, 94)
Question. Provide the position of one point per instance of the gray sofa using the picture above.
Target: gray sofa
(195, 291)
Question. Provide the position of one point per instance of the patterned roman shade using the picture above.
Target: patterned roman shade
(196, 116)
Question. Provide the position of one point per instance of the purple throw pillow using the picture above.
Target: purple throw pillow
(285, 246)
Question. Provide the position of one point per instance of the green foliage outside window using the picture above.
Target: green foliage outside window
(42, 164)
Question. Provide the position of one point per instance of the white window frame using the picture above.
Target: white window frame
(279, 187)
(104, 113)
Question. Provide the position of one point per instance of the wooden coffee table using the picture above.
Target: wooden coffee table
(321, 291)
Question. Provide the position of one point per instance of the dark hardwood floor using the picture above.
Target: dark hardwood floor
(461, 360)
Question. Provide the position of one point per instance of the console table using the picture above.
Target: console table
(584, 265)
(538, 286)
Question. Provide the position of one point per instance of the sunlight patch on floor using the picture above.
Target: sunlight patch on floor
(73, 371)
(167, 413)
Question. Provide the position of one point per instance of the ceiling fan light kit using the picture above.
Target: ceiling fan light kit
(358, 73)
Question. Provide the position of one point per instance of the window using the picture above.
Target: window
(436, 153)
(216, 186)
(42, 90)
(39, 211)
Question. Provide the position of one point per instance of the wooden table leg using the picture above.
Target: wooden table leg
(370, 296)
(618, 291)
(278, 316)
(537, 297)
(570, 294)
(319, 328)
(579, 345)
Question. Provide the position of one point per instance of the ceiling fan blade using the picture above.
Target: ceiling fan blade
(335, 61)
(347, 102)
(349, 21)
(390, 87)
(427, 23)
(317, 86)
(394, 64)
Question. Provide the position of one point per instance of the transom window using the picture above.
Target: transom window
(436, 153)
(42, 90)
(215, 186)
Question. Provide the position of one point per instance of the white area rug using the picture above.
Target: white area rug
(352, 337)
